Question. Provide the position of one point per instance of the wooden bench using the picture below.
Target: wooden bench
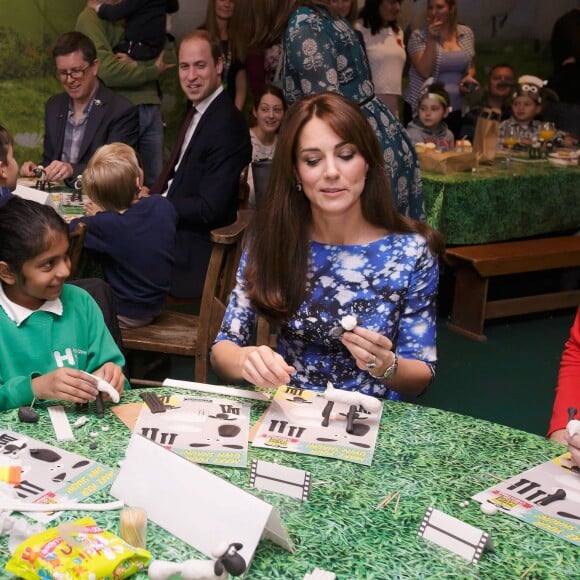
(475, 265)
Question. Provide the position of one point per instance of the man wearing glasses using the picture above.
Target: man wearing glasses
(84, 117)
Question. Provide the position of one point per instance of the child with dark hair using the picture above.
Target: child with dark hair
(145, 24)
(429, 126)
(8, 166)
(135, 237)
(55, 331)
(527, 101)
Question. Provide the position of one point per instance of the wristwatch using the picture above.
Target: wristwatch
(390, 372)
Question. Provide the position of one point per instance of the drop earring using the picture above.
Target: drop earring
(298, 186)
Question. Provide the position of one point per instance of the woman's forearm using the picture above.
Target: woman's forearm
(424, 62)
(412, 377)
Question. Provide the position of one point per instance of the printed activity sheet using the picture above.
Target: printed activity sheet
(298, 420)
(202, 430)
(52, 475)
(546, 496)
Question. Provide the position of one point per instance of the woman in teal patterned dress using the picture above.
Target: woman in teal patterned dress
(322, 53)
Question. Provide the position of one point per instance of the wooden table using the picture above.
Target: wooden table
(434, 458)
(503, 202)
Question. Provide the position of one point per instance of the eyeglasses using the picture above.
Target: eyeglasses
(75, 73)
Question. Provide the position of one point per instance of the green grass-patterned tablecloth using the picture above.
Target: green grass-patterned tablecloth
(503, 202)
(434, 458)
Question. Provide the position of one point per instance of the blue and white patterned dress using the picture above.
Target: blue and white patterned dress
(390, 285)
(324, 54)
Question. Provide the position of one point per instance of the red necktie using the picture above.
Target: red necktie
(168, 171)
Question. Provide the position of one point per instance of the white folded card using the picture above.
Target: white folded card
(193, 504)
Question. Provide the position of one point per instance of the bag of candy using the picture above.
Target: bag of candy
(78, 549)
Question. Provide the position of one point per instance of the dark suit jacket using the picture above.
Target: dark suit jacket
(112, 118)
(205, 190)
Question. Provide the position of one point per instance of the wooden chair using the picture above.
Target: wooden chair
(178, 333)
(75, 250)
(244, 192)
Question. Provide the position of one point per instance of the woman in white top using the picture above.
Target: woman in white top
(268, 112)
(383, 39)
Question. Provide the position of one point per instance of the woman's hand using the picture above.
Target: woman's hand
(574, 448)
(369, 347)
(434, 27)
(113, 374)
(263, 367)
(468, 85)
(65, 384)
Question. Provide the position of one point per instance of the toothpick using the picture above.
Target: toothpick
(494, 476)
(526, 572)
(397, 504)
(387, 500)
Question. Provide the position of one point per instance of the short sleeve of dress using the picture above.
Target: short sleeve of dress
(240, 318)
(417, 41)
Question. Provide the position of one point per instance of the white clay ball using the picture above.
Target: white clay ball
(488, 509)
(348, 322)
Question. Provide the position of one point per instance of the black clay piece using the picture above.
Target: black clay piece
(567, 515)
(154, 403)
(47, 455)
(222, 416)
(99, 406)
(228, 430)
(558, 495)
(359, 430)
(27, 415)
(60, 477)
(93, 446)
(363, 445)
(81, 463)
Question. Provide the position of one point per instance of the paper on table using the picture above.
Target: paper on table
(217, 389)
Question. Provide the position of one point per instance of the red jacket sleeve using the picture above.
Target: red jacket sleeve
(568, 388)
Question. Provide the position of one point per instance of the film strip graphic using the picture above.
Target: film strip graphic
(455, 535)
(289, 481)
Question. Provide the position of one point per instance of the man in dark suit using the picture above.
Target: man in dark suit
(84, 117)
(202, 175)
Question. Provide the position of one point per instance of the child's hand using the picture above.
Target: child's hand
(113, 374)
(65, 384)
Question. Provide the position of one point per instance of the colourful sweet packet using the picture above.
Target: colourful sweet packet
(74, 550)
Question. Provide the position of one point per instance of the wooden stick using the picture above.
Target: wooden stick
(385, 500)
(526, 572)
(398, 498)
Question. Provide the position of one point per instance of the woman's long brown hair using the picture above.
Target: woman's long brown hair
(278, 245)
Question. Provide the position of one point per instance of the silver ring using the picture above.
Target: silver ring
(373, 364)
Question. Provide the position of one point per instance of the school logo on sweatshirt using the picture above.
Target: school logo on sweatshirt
(67, 357)
(71, 357)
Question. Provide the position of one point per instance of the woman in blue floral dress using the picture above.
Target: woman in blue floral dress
(327, 243)
(321, 53)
